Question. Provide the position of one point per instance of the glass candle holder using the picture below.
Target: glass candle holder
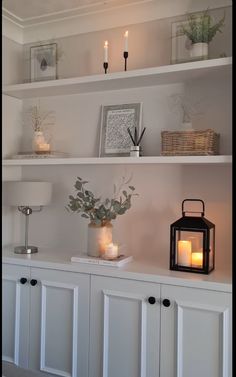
(111, 251)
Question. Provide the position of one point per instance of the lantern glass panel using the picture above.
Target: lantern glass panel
(189, 247)
(211, 253)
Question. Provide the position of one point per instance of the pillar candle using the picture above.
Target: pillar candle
(184, 253)
(197, 259)
(111, 251)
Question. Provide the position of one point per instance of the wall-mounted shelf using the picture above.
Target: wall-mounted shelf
(219, 159)
(121, 80)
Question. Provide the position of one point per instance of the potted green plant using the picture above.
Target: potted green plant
(100, 212)
(200, 29)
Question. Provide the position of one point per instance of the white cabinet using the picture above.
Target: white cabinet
(15, 314)
(189, 328)
(195, 333)
(125, 328)
(51, 320)
(59, 323)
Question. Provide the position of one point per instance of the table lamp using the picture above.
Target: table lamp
(26, 195)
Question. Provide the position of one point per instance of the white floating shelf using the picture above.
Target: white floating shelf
(121, 80)
(219, 159)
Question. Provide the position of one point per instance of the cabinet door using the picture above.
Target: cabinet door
(124, 332)
(195, 333)
(59, 325)
(15, 314)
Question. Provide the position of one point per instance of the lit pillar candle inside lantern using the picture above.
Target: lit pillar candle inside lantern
(197, 259)
(126, 40)
(111, 251)
(106, 52)
(184, 253)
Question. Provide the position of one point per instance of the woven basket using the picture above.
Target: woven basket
(189, 143)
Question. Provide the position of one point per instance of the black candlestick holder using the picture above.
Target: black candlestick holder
(126, 57)
(105, 66)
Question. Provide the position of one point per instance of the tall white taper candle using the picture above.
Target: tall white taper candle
(126, 40)
(106, 52)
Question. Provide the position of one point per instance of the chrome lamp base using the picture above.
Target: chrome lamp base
(25, 250)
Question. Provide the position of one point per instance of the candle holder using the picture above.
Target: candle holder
(126, 57)
(192, 242)
(105, 66)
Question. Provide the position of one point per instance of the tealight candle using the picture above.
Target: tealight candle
(44, 147)
(184, 253)
(111, 251)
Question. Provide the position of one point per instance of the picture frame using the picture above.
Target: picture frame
(180, 44)
(43, 62)
(115, 120)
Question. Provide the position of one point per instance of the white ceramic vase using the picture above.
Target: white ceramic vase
(99, 236)
(199, 50)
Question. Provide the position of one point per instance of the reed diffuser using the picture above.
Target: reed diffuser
(135, 149)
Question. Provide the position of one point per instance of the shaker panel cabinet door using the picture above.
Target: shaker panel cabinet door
(195, 333)
(59, 326)
(124, 328)
(15, 314)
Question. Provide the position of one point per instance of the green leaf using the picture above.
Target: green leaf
(78, 185)
(132, 188)
(81, 195)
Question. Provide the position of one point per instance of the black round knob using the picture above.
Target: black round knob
(33, 282)
(23, 280)
(166, 302)
(151, 300)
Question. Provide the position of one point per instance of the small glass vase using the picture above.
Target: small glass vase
(99, 236)
(40, 144)
(135, 151)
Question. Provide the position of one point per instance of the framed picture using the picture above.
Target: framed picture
(115, 120)
(181, 45)
(43, 61)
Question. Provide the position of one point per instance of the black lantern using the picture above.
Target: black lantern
(192, 242)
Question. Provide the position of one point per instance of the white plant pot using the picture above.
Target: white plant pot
(199, 50)
(98, 239)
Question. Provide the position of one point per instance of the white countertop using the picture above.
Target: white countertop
(142, 270)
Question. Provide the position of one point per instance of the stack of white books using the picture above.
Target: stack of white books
(117, 262)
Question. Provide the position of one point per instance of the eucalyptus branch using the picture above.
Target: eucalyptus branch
(98, 211)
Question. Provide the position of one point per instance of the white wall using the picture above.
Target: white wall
(12, 61)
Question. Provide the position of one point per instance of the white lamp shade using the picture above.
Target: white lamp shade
(22, 193)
